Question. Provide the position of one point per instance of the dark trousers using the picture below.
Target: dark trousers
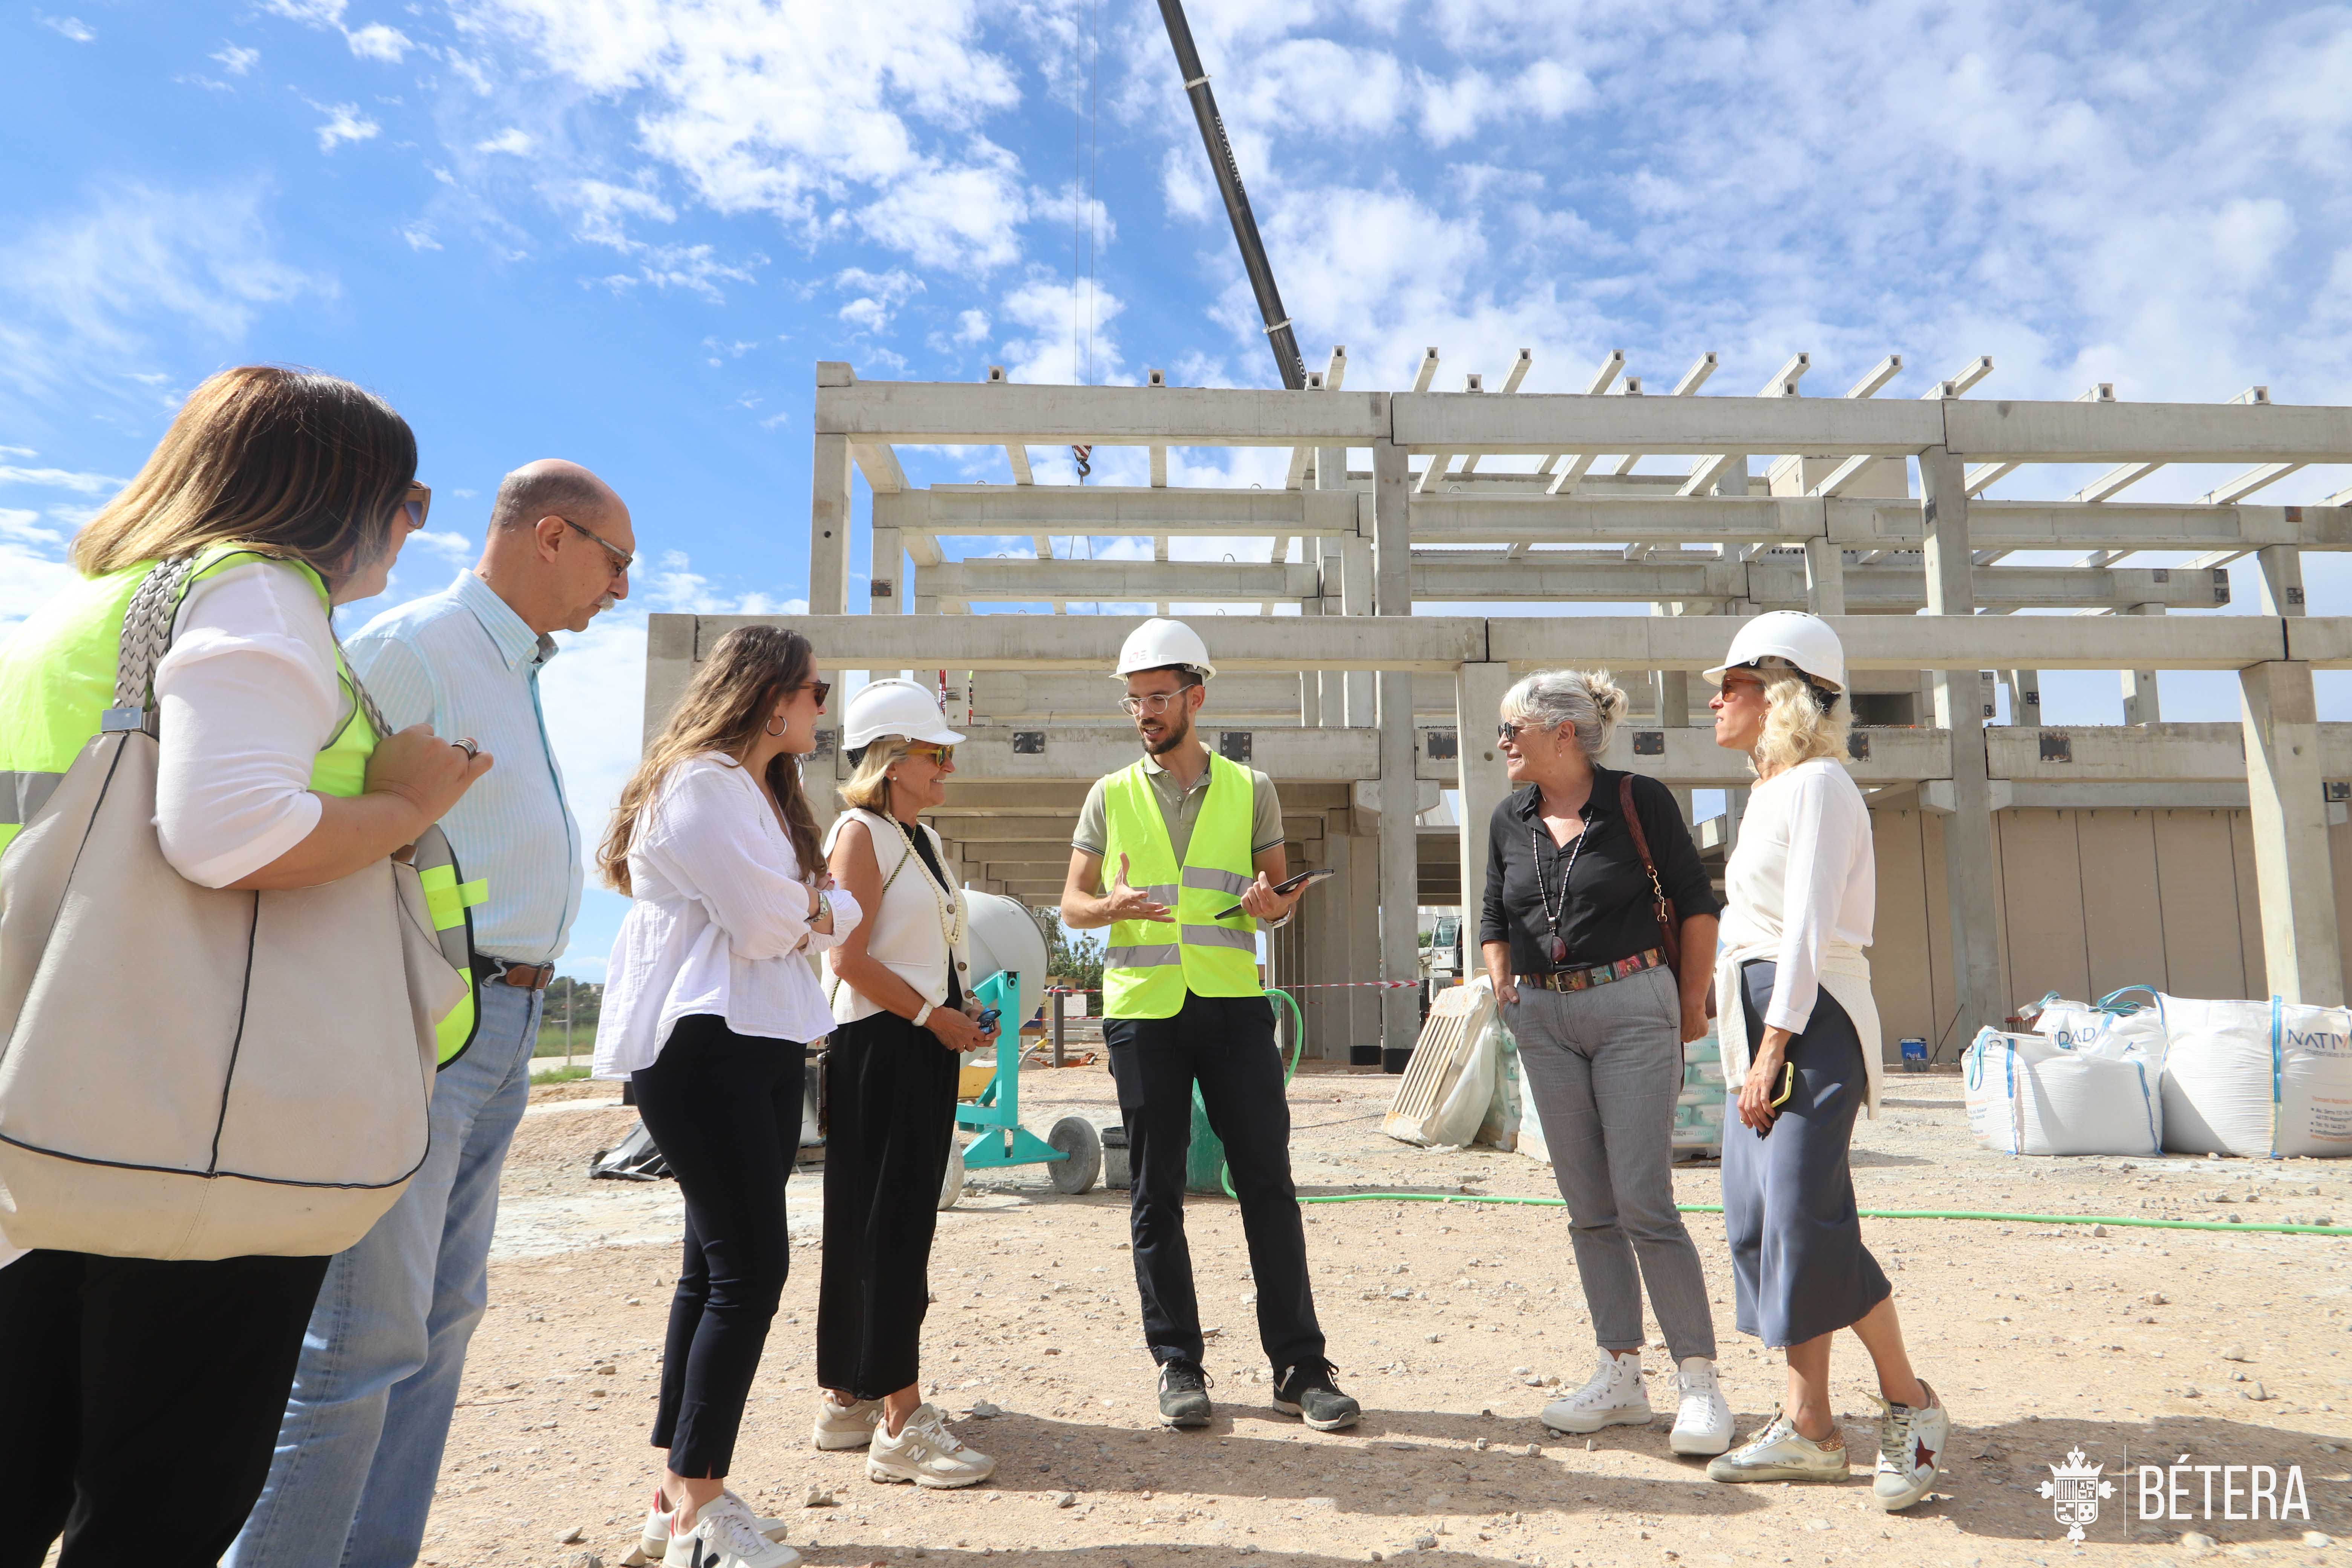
(889, 1099)
(1225, 1045)
(139, 1401)
(724, 1110)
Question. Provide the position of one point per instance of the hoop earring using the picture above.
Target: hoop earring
(778, 727)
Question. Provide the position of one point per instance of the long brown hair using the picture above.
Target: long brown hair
(304, 465)
(725, 706)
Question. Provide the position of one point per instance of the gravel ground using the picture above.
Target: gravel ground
(1450, 1322)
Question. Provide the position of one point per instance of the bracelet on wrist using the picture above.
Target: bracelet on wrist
(923, 1016)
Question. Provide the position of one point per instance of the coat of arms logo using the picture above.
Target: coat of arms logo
(2074, 1490)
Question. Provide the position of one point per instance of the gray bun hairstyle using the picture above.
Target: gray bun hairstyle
(1586, 700)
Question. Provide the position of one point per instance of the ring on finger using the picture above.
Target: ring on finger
(468, 746)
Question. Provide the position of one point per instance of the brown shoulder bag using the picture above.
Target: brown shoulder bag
(1670, 925)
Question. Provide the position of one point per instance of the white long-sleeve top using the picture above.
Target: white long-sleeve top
(248, 696)
(717, 922)
(1801, 889)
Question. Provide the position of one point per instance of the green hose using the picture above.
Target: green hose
(1881, 1214)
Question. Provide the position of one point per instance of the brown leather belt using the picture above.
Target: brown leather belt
(521, 976)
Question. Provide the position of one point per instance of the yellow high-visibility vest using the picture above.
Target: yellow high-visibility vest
(56, 678)
(1151, 965)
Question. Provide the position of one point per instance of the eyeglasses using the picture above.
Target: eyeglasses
(1155, 704)
(418, 506)
(944, 756)
(823, 688)
(621, 559)
(1506, 732)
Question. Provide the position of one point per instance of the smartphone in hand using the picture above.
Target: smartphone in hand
(987, 1019)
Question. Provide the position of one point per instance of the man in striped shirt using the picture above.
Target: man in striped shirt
(360, 1448)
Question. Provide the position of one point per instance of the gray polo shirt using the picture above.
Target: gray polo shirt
(1180, 808)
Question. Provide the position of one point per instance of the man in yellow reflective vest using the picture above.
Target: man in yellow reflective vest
(1186, 834)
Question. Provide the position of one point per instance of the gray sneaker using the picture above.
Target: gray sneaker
(1779, 1453)
(1183, 1395)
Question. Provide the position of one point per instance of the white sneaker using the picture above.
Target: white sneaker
(842, 1426)
(1702, 1420)
(653, 1540)
(926, 1453)
(1615, 1397)
(725, 1535)
(1780, 1453)
(1910, 1451)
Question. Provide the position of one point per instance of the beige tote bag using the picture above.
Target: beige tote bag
(192, 1072)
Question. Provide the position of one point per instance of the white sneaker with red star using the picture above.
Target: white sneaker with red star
(1910, 1451)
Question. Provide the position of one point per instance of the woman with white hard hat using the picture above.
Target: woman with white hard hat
(1801, 1049)
(902, 1013)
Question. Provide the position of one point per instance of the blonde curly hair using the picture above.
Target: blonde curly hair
(1797, 727)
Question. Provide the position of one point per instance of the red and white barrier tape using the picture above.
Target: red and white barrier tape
(1308, 986)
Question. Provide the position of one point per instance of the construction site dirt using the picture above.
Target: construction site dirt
(1454, 1324)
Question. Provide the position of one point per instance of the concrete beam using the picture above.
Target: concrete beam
(1013, 580)
(1116, 511)
(1637, 426)
(1928, 642)
(1089, 644)
(1782, 583)
(947, 414)
(2157, 432)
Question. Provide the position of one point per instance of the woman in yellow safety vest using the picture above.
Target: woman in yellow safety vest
(143, 1394)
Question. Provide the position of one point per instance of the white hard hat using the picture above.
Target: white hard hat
(1805, 641)
(1158, 643)
(894, 707)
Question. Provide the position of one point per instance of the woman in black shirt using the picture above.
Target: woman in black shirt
(1570, 935)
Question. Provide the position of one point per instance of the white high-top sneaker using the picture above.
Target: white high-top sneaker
(1702, 1420)
(1615, 1397)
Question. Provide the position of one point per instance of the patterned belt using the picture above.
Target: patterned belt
(1599, 974)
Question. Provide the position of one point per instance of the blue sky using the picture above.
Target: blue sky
(623, 232)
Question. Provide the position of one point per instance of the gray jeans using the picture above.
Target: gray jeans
(1604, 1066)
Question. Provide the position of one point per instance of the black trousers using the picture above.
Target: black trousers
(140, 1401)
(724, 1110)
(1227, 1046)
(890, 1098)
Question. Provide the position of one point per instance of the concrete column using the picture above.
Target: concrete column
(1357, 856)
(1967, 835)
(2025, 698)
(829, 528)
(1824, 577)
(2282, 579)
(1355, 599)
(2291, 867)
(886, 587)
(1477, 698)
(2140, 702)
(1330, 706)
(1392, 531)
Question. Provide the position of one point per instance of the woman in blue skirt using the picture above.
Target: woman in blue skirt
(1800, 1047)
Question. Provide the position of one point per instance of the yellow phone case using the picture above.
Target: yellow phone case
(1788, 1084)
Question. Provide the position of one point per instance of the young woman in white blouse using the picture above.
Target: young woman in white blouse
(709, 999)
(903, 1011)
(1800, 1048)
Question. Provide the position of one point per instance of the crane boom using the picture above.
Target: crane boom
(1237, 208)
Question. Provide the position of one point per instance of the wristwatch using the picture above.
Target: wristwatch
(923, 1017)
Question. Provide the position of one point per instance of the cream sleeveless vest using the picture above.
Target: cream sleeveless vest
(907, 933)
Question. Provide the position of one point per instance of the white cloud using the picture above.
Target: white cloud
(85, 294)
(971, 326)
(455, 546)
(235, 59)
(61, 479)
(819, 115)
(1067, 324)
(344, 124)
(419, 237)
(377, 42)
(514, 140)
(72, 27)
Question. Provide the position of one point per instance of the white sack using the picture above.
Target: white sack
(2257, 1078)
(2029, 1094)
(2106, 1029)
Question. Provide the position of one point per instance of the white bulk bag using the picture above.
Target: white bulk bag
(2257, 1078)
(2029, 1094)
(2109, 1024)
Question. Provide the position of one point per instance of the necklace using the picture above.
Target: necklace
(1556, 945)
(949, 904)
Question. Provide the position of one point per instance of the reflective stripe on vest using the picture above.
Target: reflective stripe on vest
(1146, 974)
